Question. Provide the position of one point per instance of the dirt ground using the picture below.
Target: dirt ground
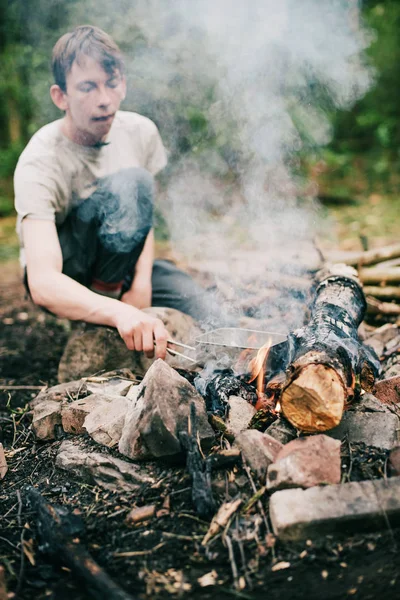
(167, 558)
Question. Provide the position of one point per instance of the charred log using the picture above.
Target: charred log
(327, 357)
(59, 531)
(217, 389)
(198, 468)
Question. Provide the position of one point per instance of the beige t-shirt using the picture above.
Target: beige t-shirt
(54, 174)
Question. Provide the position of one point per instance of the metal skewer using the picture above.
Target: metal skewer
(181, 345)
(176, 353)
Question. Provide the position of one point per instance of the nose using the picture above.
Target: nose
(103, 99)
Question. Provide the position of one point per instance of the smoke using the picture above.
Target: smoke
(255, 81)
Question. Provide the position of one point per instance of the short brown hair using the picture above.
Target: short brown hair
(84, 40)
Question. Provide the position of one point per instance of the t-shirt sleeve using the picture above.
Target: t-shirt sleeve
(35, 189)
(156, 155)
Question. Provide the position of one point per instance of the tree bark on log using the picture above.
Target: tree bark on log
(326, 357)
(59, 530)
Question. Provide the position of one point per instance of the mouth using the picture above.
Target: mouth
(104, 119)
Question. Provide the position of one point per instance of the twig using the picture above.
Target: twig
(234, 568)
(3, 539)
(242, 554)
(22, 387)
(138, 552)
(259, 504)
(19, 508)
(22, 566)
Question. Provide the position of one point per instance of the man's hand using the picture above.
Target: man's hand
(139, 331)
(139, 295)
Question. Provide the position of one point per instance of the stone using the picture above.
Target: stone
(388, 390)
(373, 429)
(394, 460)
(368, 403)
(73, 390)
(46, 416)
(105, 422)
(240, 414)
(306, 462)
(346, 508)
(3, 463)
(111, 383)
(73, 414)
(258, 449)
(102, 469)
(159, 413)
(92, 348)
(282, 430)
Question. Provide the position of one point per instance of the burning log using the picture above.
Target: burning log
(327, 356)
(219, 387)
(59, 530)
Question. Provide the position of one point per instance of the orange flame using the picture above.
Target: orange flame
(257, 366)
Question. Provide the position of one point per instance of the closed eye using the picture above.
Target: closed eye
(86, 87)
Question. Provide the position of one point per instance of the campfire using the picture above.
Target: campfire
(272, 406)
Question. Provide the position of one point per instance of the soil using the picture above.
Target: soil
(170, 558)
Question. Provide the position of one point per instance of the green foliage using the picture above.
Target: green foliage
(373, 125)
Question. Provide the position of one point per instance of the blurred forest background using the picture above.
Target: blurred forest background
(358, 173)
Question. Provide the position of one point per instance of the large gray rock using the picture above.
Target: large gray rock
(73, 414)
(258, 449)
(282, 430)
(105, 422)
(101, 469)
(92, 349)
(371, 428)
(346, 508)
(368, 403)
(46, 416)
(73, 390)
(159, 413)
(306, 462)
(240, 414)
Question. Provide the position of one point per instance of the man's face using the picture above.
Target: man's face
(92, 99)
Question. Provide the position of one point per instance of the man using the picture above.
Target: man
(83, 193)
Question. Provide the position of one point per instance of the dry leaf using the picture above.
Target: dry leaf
(280, 565)
(208, 579)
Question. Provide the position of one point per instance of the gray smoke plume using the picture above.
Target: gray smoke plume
(264, 74)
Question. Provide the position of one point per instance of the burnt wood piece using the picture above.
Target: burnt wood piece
(199, 469)
(217, 389)
(326, 357)
(59, 531)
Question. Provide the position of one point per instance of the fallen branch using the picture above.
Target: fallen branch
(383, 293)
(378, 275)
(376, 307)
(58, 531)
(370, 257)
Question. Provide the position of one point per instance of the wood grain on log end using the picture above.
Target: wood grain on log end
(314, 400)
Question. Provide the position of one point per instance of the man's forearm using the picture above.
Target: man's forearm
(144, 265)
(66, 298)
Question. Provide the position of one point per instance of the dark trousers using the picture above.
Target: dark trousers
(103, 237)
